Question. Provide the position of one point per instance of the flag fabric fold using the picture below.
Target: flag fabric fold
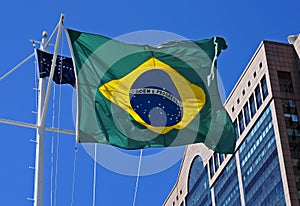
(139, 96)
(64, 69)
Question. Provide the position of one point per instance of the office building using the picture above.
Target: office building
(265, 168)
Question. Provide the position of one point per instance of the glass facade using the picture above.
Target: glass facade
(226, 188)
(198, 187)
(260, 165)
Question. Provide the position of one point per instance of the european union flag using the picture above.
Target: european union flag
(64, 69)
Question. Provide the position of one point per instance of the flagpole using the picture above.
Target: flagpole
(40, 131)
(43, 99)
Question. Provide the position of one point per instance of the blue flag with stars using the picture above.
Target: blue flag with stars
(64, 69)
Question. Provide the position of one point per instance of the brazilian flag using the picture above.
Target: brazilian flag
(139, 96)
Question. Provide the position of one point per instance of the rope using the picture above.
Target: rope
(53, 194)
(57, 149)
(95, 174)
(211, 76)
(58, 126)
(76, 144)
(74, 173)
(137, 177)
(52, 148)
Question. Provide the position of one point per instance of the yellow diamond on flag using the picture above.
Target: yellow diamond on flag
(156, 96)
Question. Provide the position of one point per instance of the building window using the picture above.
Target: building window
(216, 161)
(290, 113)
(238, 101)
(264, 87)
(249, 83)
(211, 166)
(254, 74)
(246, 113)
(232, 109)
(260, 65)
(195, 171)
(292, 103)
(293, 132)
(258, 96)
(243, 92)
(198, 185)
(285, 82)
(252, 106)
(221, 156)
(236, 129)
(241, 122)
(226, 187)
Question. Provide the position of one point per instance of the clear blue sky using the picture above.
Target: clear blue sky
(244, 24)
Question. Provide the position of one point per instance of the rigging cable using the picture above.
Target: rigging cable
(137, 177)
(74, 172)
(95, 174)
(52, 147)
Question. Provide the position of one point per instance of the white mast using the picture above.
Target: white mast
(40, 131)
(43, 99)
